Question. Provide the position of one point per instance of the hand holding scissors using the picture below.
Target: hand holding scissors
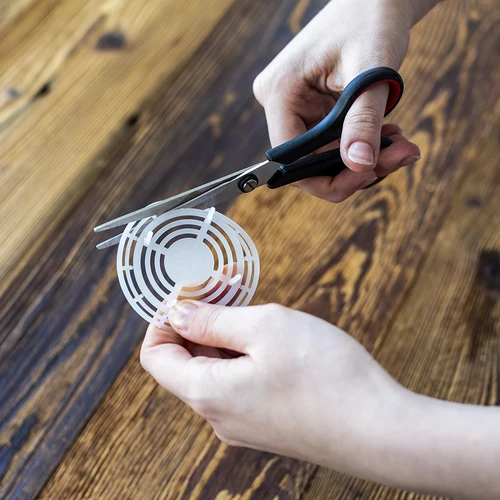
(285, 164)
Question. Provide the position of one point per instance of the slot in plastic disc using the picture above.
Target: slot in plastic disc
(186, 254)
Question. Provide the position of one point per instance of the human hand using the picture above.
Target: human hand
(301, 85)
(302, 387)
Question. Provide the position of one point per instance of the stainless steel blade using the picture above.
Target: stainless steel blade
(212, 194)
(109, 243)
(231, 189)
(163, 206)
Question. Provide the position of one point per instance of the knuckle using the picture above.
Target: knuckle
(275, 309)
(270, 311)
(329, 191)
(337, 197)
(364, 119)
(199, 402)
(204, 321)
(261, 86)
(339, 193)
(226, 439)
(270, 317)
(200, 394)
(144, 358)
(273, 81)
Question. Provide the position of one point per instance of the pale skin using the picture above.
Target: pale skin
(301, 386)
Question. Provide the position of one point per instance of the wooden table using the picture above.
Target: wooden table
(107, 106)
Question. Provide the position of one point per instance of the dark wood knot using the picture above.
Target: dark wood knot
(113, 40)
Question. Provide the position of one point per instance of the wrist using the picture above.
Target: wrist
(397, 449)
(400, 439)
(438, 447)
(401, 444)
(366, 442)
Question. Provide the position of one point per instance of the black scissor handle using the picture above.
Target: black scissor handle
(328, 163)
(330, 128)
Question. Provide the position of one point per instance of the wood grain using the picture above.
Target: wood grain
(445, 339)
(61, 342)
(66, 92)
(66, 331)
(358, 264)
(10, 11)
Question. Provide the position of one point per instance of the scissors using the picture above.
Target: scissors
(285, 164)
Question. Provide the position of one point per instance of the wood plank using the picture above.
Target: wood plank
(445, 339)
(61, 342)
(10, 11)
(359, 261)
(69, 84)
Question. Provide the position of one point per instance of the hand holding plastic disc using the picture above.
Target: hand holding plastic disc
(185, 254)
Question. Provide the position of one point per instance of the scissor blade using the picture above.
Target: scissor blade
(109, 243)
(231, 188)
(211, 194)
(163, 206)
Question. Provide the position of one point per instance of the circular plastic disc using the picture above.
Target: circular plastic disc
(185, 254)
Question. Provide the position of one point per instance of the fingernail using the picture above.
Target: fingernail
(181, 314)
(409, 160)
(368, 182)
(361, 152)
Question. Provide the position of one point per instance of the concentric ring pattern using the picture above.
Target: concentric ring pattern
(186, 254)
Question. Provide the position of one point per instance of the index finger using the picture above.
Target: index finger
(282, 123)
(167, 360)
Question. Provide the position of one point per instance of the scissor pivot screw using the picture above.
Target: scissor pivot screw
(248, 184)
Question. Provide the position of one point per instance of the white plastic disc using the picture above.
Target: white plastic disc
(185, 254)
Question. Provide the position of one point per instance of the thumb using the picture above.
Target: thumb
(214, 326)
(360, 142)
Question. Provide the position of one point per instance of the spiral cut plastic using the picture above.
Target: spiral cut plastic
(185, 254)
